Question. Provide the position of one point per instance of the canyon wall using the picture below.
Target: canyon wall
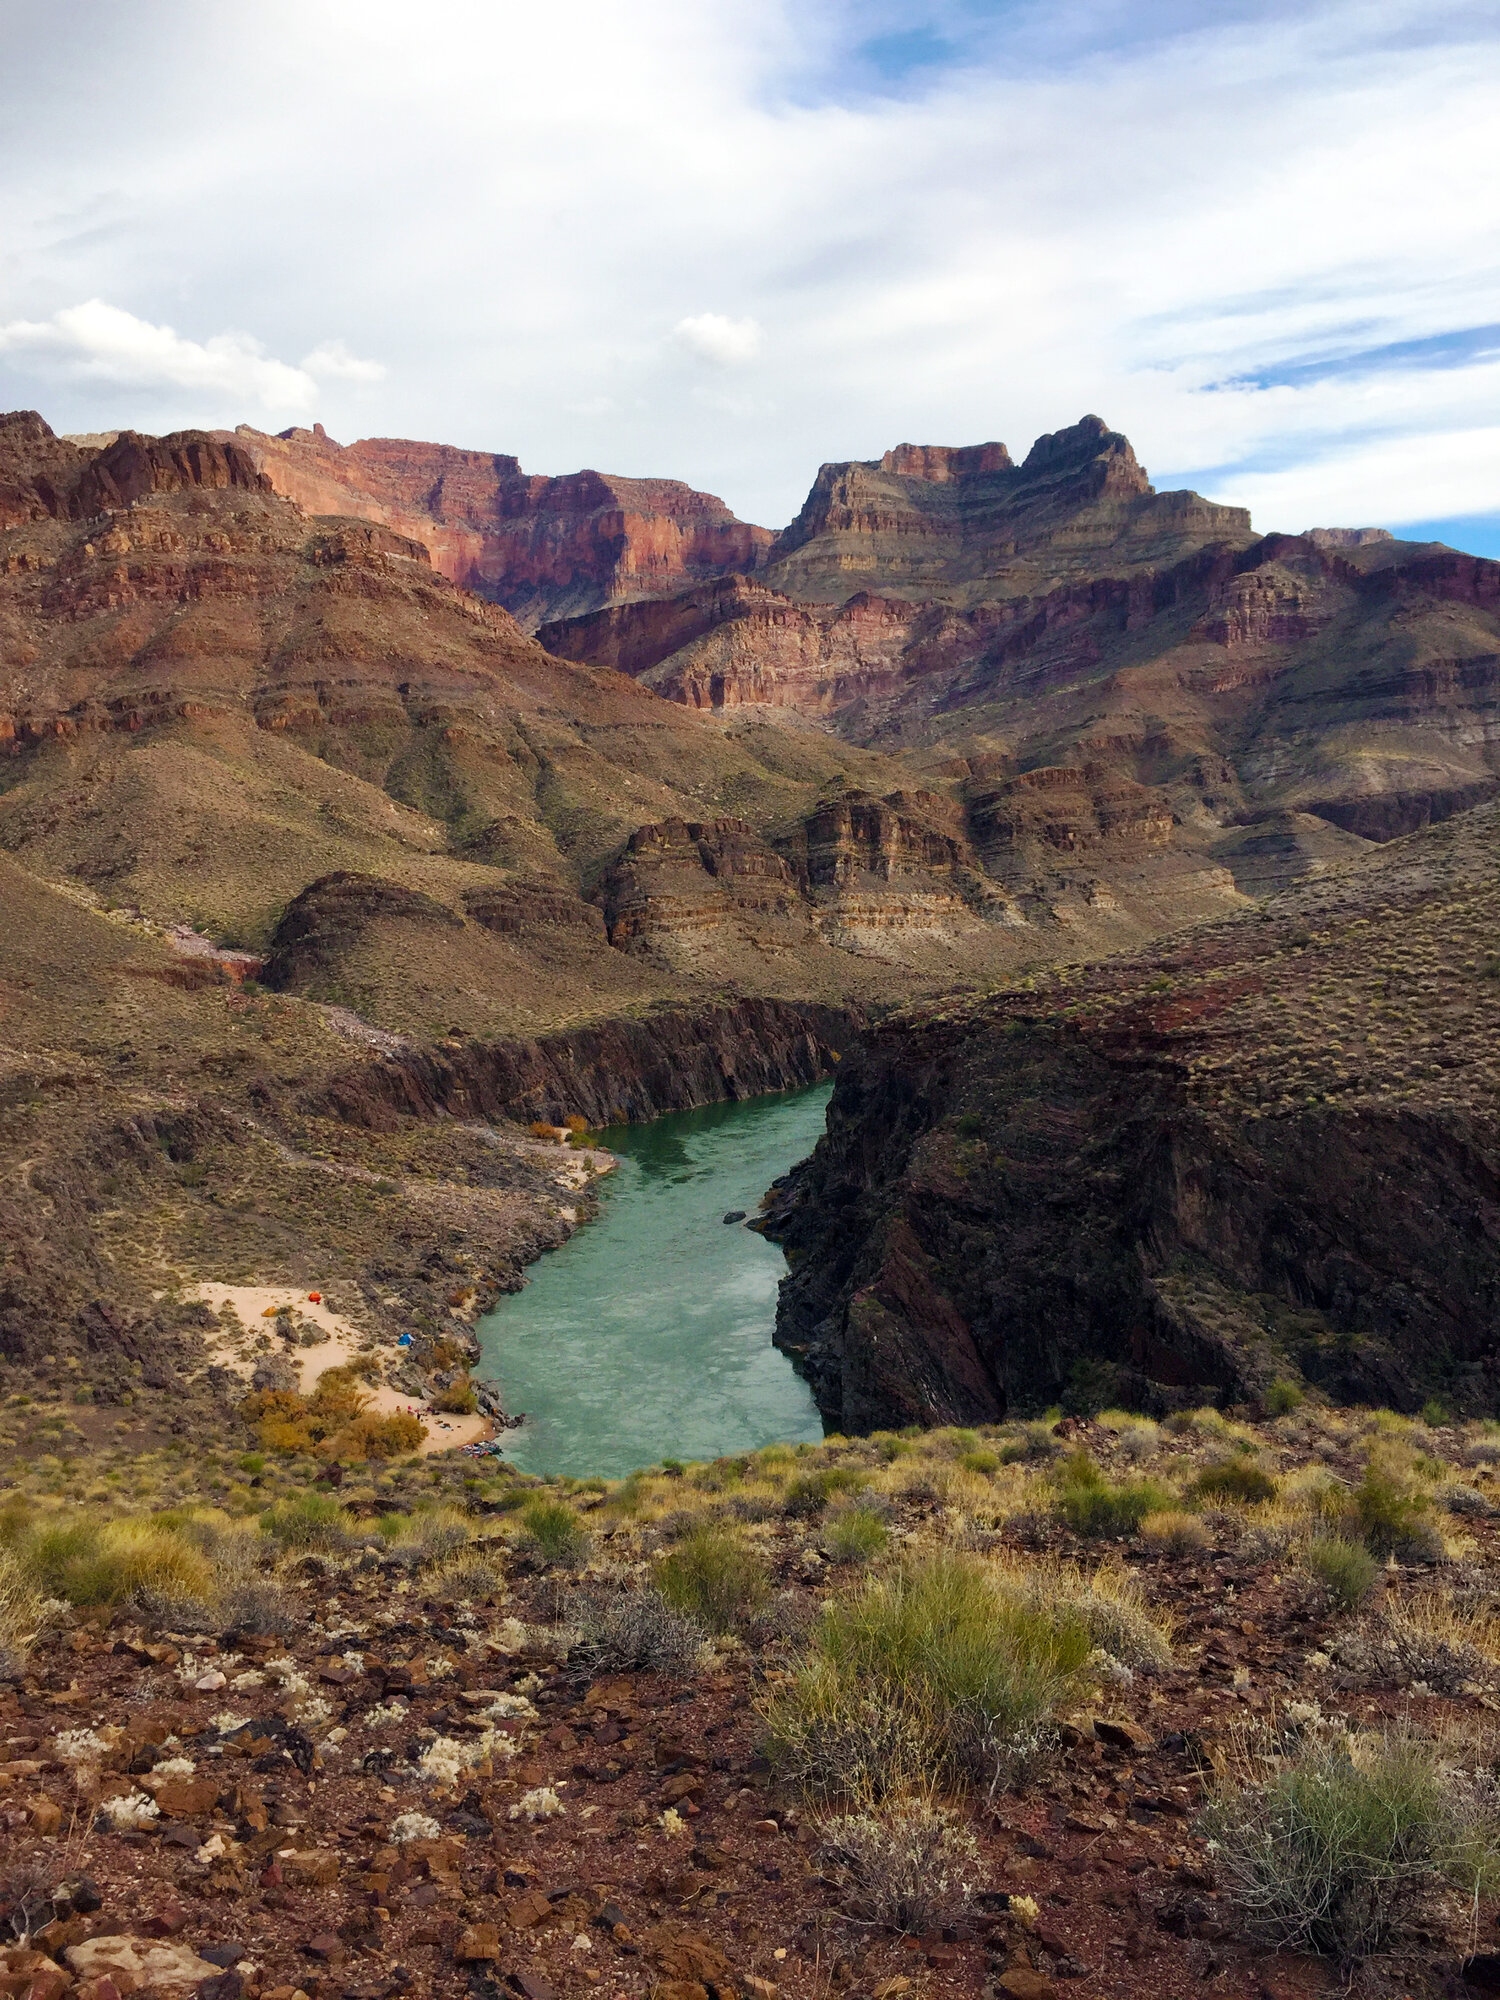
(612, 1072)
(1273, 1150)
(542, 547)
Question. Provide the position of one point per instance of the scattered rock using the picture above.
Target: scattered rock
(133, 1962)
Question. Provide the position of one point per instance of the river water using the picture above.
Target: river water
(647, 1335)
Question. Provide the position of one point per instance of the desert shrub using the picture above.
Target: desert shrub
(980, 1460)
(429, 1535)
(1346, 1570)
(629, 1496)
(940, 1673)
(1172, 1532)
(458, 1399)
(1449, 1647)
(1394, 1515)
(105, 1562)
(632, 1631)
(1092, 1506)
(1436, 1413)
(1235, 1479)
(1283, 1396)
(308, 1521)
(909, 1867)
(259, 1607)
(1352, 1848)
(1206, 1422)
(20, 1612)
(1035, 1440)
(554, 1533)
(1140, 1439)
(854, 1534)
(473, 1575)
(1110, 1604)
(892, 1447)
(808, 1493)
(714, 1577)
(372, 1435)
(291, 1423)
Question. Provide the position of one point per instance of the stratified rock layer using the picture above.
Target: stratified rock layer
(543, 547)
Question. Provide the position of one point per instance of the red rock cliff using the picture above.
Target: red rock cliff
(542, 547)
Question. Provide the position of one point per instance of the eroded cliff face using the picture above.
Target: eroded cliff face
(998, 620)
(543, 547)
(1274, 1149)
(885, 878)
(968, 524)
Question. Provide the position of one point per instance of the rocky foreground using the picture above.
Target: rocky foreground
(439, 1753)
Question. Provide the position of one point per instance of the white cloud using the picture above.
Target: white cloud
(331, 361)
(730, 343)
(95, 342)
(1423, 478)
(1148, 227)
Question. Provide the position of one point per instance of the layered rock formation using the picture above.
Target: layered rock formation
(1273, 1150)
(993, 620)
(542, 547)
(967, 525)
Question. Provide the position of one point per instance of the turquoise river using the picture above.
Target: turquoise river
(648, 1334)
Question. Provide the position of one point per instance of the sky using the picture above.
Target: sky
(726, 243)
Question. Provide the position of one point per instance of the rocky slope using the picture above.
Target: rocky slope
(1268, 1149)
(210, 703)
(543, 547)
(388, 1764)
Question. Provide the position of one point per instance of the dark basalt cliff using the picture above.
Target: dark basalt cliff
(1274, 1150)
(612, 1073)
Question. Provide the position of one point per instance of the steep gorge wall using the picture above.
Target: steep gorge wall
(995, 1207)
(611, 1072)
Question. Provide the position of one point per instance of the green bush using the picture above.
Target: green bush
(1235, 1479)
(979, 1461)
(938, 1675)
(1092, 1506)
(458, 1399)
(1436, 1413)
(554, 1532)
(307, 1521)
(808, 1493)
(1346, 1570)
(714, 1577)
(1283, 1396)
(1347, 1856)
(1392, 1516)
(1035, 1441)
(854, 1535)
(83, 1561)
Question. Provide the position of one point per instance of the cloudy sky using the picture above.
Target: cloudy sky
(727, 242)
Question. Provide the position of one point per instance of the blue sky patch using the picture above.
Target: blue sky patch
(1479, 534)
(1456, 349)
